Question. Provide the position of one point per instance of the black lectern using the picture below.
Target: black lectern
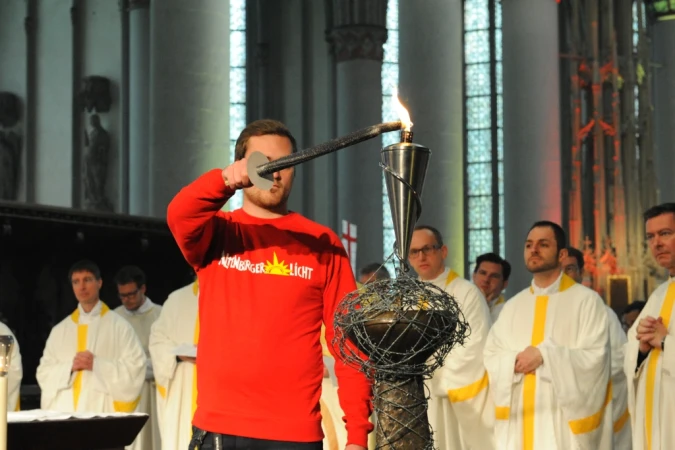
(99, 433)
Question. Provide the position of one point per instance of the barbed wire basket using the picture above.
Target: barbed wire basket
(399, 332)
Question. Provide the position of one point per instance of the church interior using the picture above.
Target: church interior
(532, 110)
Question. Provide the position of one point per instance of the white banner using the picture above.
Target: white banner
(349, 242)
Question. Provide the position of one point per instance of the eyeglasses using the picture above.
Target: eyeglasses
(414, 253)
(128, 294)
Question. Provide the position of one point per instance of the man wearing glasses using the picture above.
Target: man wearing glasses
(141, 313)
(460, 410)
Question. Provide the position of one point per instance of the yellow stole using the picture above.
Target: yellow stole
(82, 331)
(530, 381)
(451, 277)
(424, 304)
(654, 355)
(473, 389)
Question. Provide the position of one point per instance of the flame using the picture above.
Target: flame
(403, 114)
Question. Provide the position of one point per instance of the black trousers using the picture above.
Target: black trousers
(204, 440)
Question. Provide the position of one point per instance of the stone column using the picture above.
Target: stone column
(139, 106)
(189, 95)
(358, 32)
(532, 167)
(663, 42)
(431, 80)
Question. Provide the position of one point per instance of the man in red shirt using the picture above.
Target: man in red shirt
(268, 279)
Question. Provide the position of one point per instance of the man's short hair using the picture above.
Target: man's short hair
(496, 259)
(576, 254)
(558, 232)
(437, 234)
(84, 265)
(263, 127)
(636, 305)
(655, 211)
(381, 272)
(130, 274)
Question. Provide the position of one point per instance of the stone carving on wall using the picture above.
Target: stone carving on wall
(97, 144)
(358, 42)
(95, 95)
(357, 29)
(10, 146)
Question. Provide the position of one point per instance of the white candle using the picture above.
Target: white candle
(6, 343)
(3, 410)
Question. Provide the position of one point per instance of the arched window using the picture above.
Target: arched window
(484, 144)
(389, 83)
(237, 81)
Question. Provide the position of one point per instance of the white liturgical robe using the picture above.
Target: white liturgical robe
(141, 320)
(335, 433)
(620, 416)
(565, 404)
(651, 388)
(176, 328)
(15, 371)
(496, 307)
(460, 408)
(114, 384)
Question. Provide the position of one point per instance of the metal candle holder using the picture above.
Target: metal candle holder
(405, 165)
(406, 328)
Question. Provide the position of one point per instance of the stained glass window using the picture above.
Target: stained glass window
(484, 138)
(636, 41)
(389, 83)
(237, 81)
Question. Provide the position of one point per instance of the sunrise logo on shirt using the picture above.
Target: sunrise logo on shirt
(275, 267)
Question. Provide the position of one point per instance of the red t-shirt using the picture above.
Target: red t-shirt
(265, 287)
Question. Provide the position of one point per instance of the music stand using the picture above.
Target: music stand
(98, 433)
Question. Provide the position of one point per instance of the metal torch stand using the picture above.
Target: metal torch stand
(402, 414)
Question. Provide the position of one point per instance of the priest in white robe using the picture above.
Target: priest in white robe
(460, 408)
(650, 352)
(622, 429)
(548, 358)
(15, 371)
(173, 346)
(573, 266)
(93, 360)
(335, 433)
(141, 313)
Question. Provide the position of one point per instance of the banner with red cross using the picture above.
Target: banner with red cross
(349, 242)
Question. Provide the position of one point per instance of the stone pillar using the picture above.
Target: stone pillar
(431, 80)
(139, 106)
(358, 32)
(532, 168)
(189, 95)
(663, 41)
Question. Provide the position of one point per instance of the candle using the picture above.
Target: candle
(6, 343)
